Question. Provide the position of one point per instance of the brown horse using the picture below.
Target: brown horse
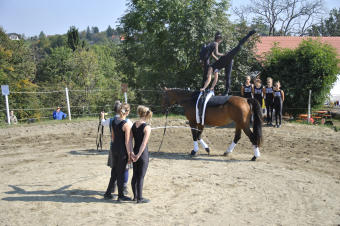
(236, 109)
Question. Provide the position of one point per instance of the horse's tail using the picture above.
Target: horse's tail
(257, 124)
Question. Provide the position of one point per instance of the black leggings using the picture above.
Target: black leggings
(269, 109)
(226, 61)
(278, 112)
(206, 64)
(117, 173)
(139, 171)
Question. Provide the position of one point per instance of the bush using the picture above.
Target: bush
(311, 66)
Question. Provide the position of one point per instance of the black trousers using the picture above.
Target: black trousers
(117, 173)
(269, 109)
(278, 112)
(206, 65)
(139, 170)
(226, 61)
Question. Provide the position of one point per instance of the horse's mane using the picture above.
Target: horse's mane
(192, 95)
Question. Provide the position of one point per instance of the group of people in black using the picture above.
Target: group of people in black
(273, 97)
(129, 144)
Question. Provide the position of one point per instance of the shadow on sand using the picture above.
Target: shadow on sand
(88, 152)
(58, 195)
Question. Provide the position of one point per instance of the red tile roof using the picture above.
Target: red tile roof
(291, 42)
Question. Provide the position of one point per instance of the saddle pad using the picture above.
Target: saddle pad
(214, 100)
(217, 100)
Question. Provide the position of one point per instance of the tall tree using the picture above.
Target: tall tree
(163, 38)
(283, 17)
(73, 38)
(328, 27)
(109, 31)
(95, 30)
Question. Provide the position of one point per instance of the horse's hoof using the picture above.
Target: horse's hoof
(207, 150)
(253, 158)
(226, 153)
(193, 153)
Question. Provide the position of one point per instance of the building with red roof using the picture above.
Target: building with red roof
(292, 42)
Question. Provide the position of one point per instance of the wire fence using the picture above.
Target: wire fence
(83, 103)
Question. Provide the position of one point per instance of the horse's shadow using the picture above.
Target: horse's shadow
(57, 195)
(88, 152)
(201, 157)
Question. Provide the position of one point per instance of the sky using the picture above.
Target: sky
(30, 17)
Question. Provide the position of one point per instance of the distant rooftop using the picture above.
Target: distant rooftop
(292, 42)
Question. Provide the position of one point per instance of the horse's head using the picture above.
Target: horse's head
(167, 99)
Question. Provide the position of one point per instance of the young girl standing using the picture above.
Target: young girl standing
(269, 100)
(141, 132)
(121, 149)
(258, 91)
(278, 101)
(247, 88)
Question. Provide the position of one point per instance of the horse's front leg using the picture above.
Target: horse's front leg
(199, 133)
(194, 132)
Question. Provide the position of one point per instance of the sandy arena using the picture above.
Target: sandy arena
(51, 174)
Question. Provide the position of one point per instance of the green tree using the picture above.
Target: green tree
(95, 30)
(109, 31)
(312, 66)
(73, 38)
(328, 27)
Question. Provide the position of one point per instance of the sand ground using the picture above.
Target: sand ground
(52, 175)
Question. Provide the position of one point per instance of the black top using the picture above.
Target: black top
(119, 137)
(138, 136)
(258, 91)
(247, 91)
(277, 97)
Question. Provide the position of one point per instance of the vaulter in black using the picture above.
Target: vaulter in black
(210, 50)
(278, 102)
(269, 100)
(226, 61)
(141, 133)
(247, 88)
(258, 91)
(120, 152)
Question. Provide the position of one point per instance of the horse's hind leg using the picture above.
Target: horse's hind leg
(252, 138)
(237, 137)
(199, 133)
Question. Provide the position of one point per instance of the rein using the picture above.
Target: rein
(166, 123)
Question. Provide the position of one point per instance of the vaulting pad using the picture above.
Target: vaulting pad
(214, 100)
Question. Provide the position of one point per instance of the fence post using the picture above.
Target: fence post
(125, 96)
(68, 104)
(7, 110)
(309, 100)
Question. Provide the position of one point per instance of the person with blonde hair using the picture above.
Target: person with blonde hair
(108, 122)
(121, 150)
(247, 89)
(269, 100)
(141, 133)
(279, 97)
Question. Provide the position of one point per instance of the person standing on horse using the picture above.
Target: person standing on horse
(210, 50)
(226, 62)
